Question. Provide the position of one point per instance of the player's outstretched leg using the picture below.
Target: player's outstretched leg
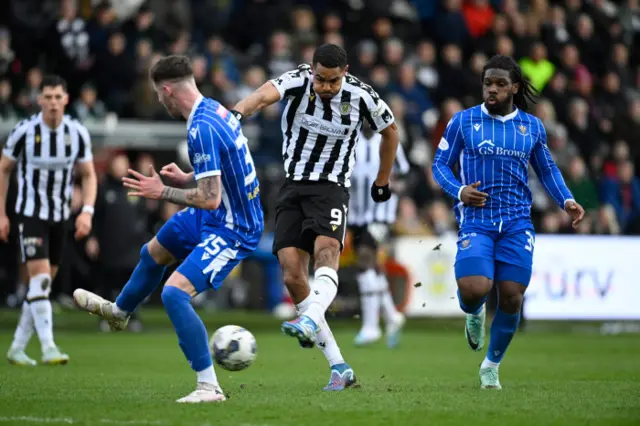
(394, 320)
(24, 331)
(503, 328)
(145, 279)
(192, 337)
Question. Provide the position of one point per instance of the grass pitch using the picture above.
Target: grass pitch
(548, 378)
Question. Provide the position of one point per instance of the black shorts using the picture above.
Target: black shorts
(40, 239)
(305, 210)
(362, 237)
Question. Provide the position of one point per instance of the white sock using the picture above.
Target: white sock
(24, 330)
(324, 339)
(208, 375)
(323, 290)
(38, 298)
(389, 311)
(119, 312)
(369, 300)
(489, 364)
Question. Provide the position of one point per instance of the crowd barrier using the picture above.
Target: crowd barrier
(574, 277)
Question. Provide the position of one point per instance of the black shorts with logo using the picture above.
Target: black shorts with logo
(307, 209)
(41, 239)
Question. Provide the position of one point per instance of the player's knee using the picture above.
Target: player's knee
(474, 287)
(510, 303)
(366, 258)
(326, 252)
(39, 287)
(158, 254)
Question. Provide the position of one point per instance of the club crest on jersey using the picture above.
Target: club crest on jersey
(443, 145)
(37, 138)
(523, 129)
(465, 244)
(345, 108)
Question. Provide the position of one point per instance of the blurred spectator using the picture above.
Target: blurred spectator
(7, 111)
(27, 101)
(116, 74)
(478, 16)
(581, 185)
(414, 96)
(425, 62)
(450, 27)
(88, 107)
(538, 69)
(623, 194)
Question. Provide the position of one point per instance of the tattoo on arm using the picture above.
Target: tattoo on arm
(207, 192)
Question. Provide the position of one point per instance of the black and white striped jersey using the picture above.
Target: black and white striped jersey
(45, 159)
(320, 136)
(362, 209)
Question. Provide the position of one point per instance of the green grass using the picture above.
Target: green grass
(557, 378)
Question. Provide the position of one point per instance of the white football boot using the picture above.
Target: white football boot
(205, 392)
(96, 305)
(54, 356)
(19, 357)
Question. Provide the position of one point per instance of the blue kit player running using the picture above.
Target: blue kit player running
(493, 144)
(221, 225)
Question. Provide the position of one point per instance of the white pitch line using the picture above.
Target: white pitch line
(70, 421)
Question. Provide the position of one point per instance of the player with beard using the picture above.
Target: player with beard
(493, 144)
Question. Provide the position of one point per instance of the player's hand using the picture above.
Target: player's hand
(576, 212)
(144, 186)
(5, 227)
(176, 175)
(472, 197)
(380, 192)
(83, 225)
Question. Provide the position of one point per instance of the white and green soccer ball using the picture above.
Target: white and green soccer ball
(233, 348)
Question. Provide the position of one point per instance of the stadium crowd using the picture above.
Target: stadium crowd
(425, 57)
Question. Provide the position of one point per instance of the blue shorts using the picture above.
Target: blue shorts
(208, 251)
(501, 254)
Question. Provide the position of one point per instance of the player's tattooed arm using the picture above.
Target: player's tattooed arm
(207, 195)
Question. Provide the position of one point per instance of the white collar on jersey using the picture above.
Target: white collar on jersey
(502, 118)
(46, 126)
(193, 110)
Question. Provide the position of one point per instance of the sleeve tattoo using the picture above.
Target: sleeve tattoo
(200, 197)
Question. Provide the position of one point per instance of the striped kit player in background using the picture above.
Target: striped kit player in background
(45, 147)
(369, 224)
(324, 112)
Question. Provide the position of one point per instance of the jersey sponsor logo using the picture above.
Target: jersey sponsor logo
(443, 145)
(487, 147)
(379, 110)
(222, 111)
(324, 128)
(201, 158)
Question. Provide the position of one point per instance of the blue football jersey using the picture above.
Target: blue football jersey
(496, 151)
(218, 147)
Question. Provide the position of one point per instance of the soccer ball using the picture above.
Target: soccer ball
(233, 348)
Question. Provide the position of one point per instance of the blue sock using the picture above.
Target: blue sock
(474, 310)
(503, 328)
(144, 280)
(192, 334)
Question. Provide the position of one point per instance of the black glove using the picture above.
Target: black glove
(380, 194)
(237, 115)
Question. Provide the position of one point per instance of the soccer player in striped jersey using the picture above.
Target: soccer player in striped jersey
(221, 225)
(370, 225)
(325, 109)
(493, 145)
(47, 148)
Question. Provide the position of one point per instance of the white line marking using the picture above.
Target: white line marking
(70, 421)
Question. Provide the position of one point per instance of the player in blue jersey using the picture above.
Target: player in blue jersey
(221, 225)
(493, 144)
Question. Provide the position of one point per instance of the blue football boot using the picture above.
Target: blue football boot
(302, 328)
(342, 377)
